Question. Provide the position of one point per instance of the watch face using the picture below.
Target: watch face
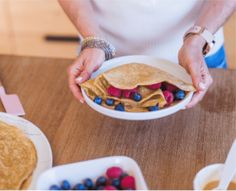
(205, 49)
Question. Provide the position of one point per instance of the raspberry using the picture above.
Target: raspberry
(169, 97)
(112, 91)
(114, 172)
(128, 182)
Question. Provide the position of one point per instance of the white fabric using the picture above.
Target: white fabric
(148, 27)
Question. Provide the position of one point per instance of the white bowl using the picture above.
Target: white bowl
(165, 65)
(77, 172)
(208, 174)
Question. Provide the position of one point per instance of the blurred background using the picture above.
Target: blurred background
(40, 28)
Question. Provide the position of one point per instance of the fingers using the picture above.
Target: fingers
(206, 76)
(88, 61)
(192, 62)
(197, 97)
(191, 58)
(73, 72)
(78, 74)
(207, 79)
(76, 92)
(75, 89)
(195, 72)
(76, 68)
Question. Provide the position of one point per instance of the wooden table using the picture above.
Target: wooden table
(170, 151)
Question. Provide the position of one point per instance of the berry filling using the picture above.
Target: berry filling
(128, 93)
(171, 93)
(112, 91)
(169, 87)
(154, 86)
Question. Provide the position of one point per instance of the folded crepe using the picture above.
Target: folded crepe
(136, 77)
(18, 158)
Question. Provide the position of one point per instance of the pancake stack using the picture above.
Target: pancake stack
(18, 158)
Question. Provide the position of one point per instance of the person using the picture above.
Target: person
(150, 27)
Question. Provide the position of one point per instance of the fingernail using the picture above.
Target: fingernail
(74, 71)
(79, 79)
(81, 101)
(202, 86)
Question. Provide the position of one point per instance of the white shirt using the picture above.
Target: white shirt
(148, 27)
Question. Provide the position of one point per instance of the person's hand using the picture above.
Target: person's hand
(89, 60)
(191, 58)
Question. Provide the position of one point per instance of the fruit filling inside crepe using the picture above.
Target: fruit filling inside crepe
(137, 88)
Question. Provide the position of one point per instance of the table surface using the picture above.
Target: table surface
(170, 151)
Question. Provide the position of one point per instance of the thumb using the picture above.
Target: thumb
(196, 74)
(84, 76)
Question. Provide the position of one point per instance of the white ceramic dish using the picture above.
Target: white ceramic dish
(41, 143)
(77, 172)
(208, 174)
(165, 65)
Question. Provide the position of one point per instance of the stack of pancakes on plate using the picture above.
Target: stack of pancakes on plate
(18, 158)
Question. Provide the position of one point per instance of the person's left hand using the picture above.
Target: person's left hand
(192, 59)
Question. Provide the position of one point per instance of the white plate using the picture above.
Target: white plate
(165, 65)
(77, 172)
(41, 144)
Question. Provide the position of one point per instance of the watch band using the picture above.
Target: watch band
(205, 34)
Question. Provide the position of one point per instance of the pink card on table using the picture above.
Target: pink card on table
(11, 103)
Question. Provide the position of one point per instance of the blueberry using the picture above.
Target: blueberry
(65, 185)
(88, 183)
(101, 181)
(119, 107)
(54, 187)
(116, 183)
(79, 186)
(110, 102)
(100, 188)
(163, 88)
(98, 100)
(153, 108)
(179, 95)
(137, 96)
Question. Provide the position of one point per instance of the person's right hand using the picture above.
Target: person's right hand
(89, 60)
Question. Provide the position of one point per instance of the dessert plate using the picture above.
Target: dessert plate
(44, 152)
(167, 66)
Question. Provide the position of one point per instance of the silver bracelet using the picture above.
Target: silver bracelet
(96, 42)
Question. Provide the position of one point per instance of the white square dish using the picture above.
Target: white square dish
(77, 172)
